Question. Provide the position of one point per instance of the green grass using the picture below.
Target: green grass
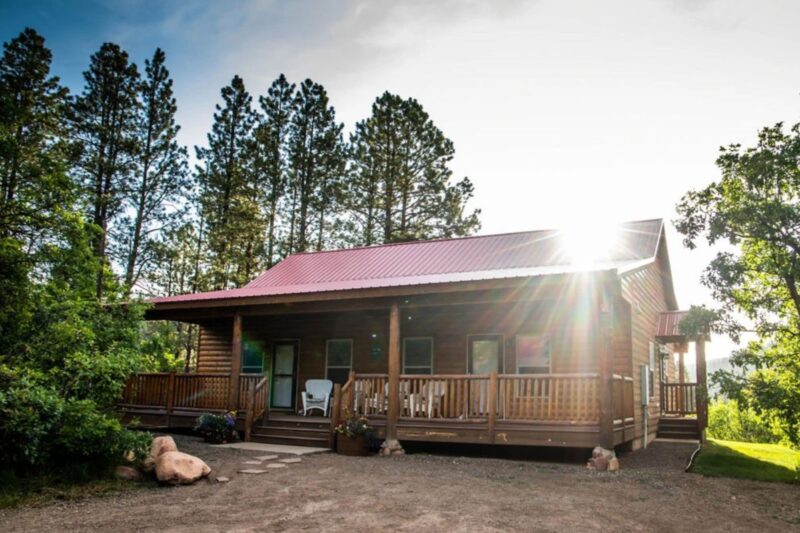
(762, 462)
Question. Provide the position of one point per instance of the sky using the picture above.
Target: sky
(559, 110)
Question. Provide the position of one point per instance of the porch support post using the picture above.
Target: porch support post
(606, 368)
(391, 444)
(701, 391)
(236, 362)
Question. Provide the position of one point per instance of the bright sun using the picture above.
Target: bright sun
(589, 244)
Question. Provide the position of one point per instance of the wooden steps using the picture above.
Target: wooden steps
(678, 428)
(293, 430)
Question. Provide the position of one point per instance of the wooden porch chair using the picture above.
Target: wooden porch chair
(317, 395)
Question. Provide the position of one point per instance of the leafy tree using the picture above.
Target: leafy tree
(159, 183)
(228, 197)
(33, 181)
(105, 125)
(401, 187)
(270, 165)
(34, 185)
(755, 208)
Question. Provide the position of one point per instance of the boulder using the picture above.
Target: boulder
(159, 446)
(162, 445)
(601, 463)
(127, 473)
(600, 451)
(180, 468)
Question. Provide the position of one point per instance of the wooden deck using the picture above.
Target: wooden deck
(503, 409)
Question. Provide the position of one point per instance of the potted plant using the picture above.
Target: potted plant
(353, 434)
(217, 429)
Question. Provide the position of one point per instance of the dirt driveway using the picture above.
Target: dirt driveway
(423, 492)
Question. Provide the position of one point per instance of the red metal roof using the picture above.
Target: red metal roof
(524, 254)
(667, 329)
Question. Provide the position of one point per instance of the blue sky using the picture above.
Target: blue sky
(560, 110)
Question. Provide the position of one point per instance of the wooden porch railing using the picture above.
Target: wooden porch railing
(679, 398)
(549, 397)
(148, 390)
(622, 393)
(186, 391)
(505, 397)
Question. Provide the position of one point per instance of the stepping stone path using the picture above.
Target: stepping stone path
(281, 463)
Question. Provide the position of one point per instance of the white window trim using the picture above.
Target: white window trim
(417, 366)
(327, 348)
(502, 348)
(516, 351)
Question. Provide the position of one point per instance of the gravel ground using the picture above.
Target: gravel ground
(328, 492)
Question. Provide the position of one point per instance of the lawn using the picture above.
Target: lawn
(762, 462)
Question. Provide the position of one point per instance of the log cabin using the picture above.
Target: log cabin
(537, 338)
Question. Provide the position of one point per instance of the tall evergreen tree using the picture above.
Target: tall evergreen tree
(33, 181)
(401, 189)
(270, 165)
(105, 124)
(160, 181)
(316, 163)
(234, 236)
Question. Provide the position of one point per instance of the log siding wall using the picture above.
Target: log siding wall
(644, 289)
(570, 326)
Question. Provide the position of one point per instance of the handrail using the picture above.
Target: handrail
(254, 413)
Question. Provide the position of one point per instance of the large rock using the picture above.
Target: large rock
(127, 473)
(159, 446)
(180, 468)
(162, 445)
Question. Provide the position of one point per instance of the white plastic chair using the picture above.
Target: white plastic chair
(317, 395)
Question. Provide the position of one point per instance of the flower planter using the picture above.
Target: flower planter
(356, 446)
(229, 436)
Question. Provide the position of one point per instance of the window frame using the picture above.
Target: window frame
(404, 366)
(327, 351)
(502, 354)
(516, 353)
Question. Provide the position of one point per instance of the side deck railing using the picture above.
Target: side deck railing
(679, 398)
(209, 391)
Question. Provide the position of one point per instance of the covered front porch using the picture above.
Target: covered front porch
(532, 364)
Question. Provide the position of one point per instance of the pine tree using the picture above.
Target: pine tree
(227, 196)
(160, 181)
(401, 182)
(105, 126)
(316, 165)
(270, 154)
(33, 154)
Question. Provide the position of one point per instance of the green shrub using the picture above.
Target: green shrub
(43, 430)
(728, 421)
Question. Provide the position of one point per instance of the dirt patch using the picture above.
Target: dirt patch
(420, 491)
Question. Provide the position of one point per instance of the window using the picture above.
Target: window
(485, 354)
(252, 357)
(533, 354)
(418, 355)
(339, 359)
